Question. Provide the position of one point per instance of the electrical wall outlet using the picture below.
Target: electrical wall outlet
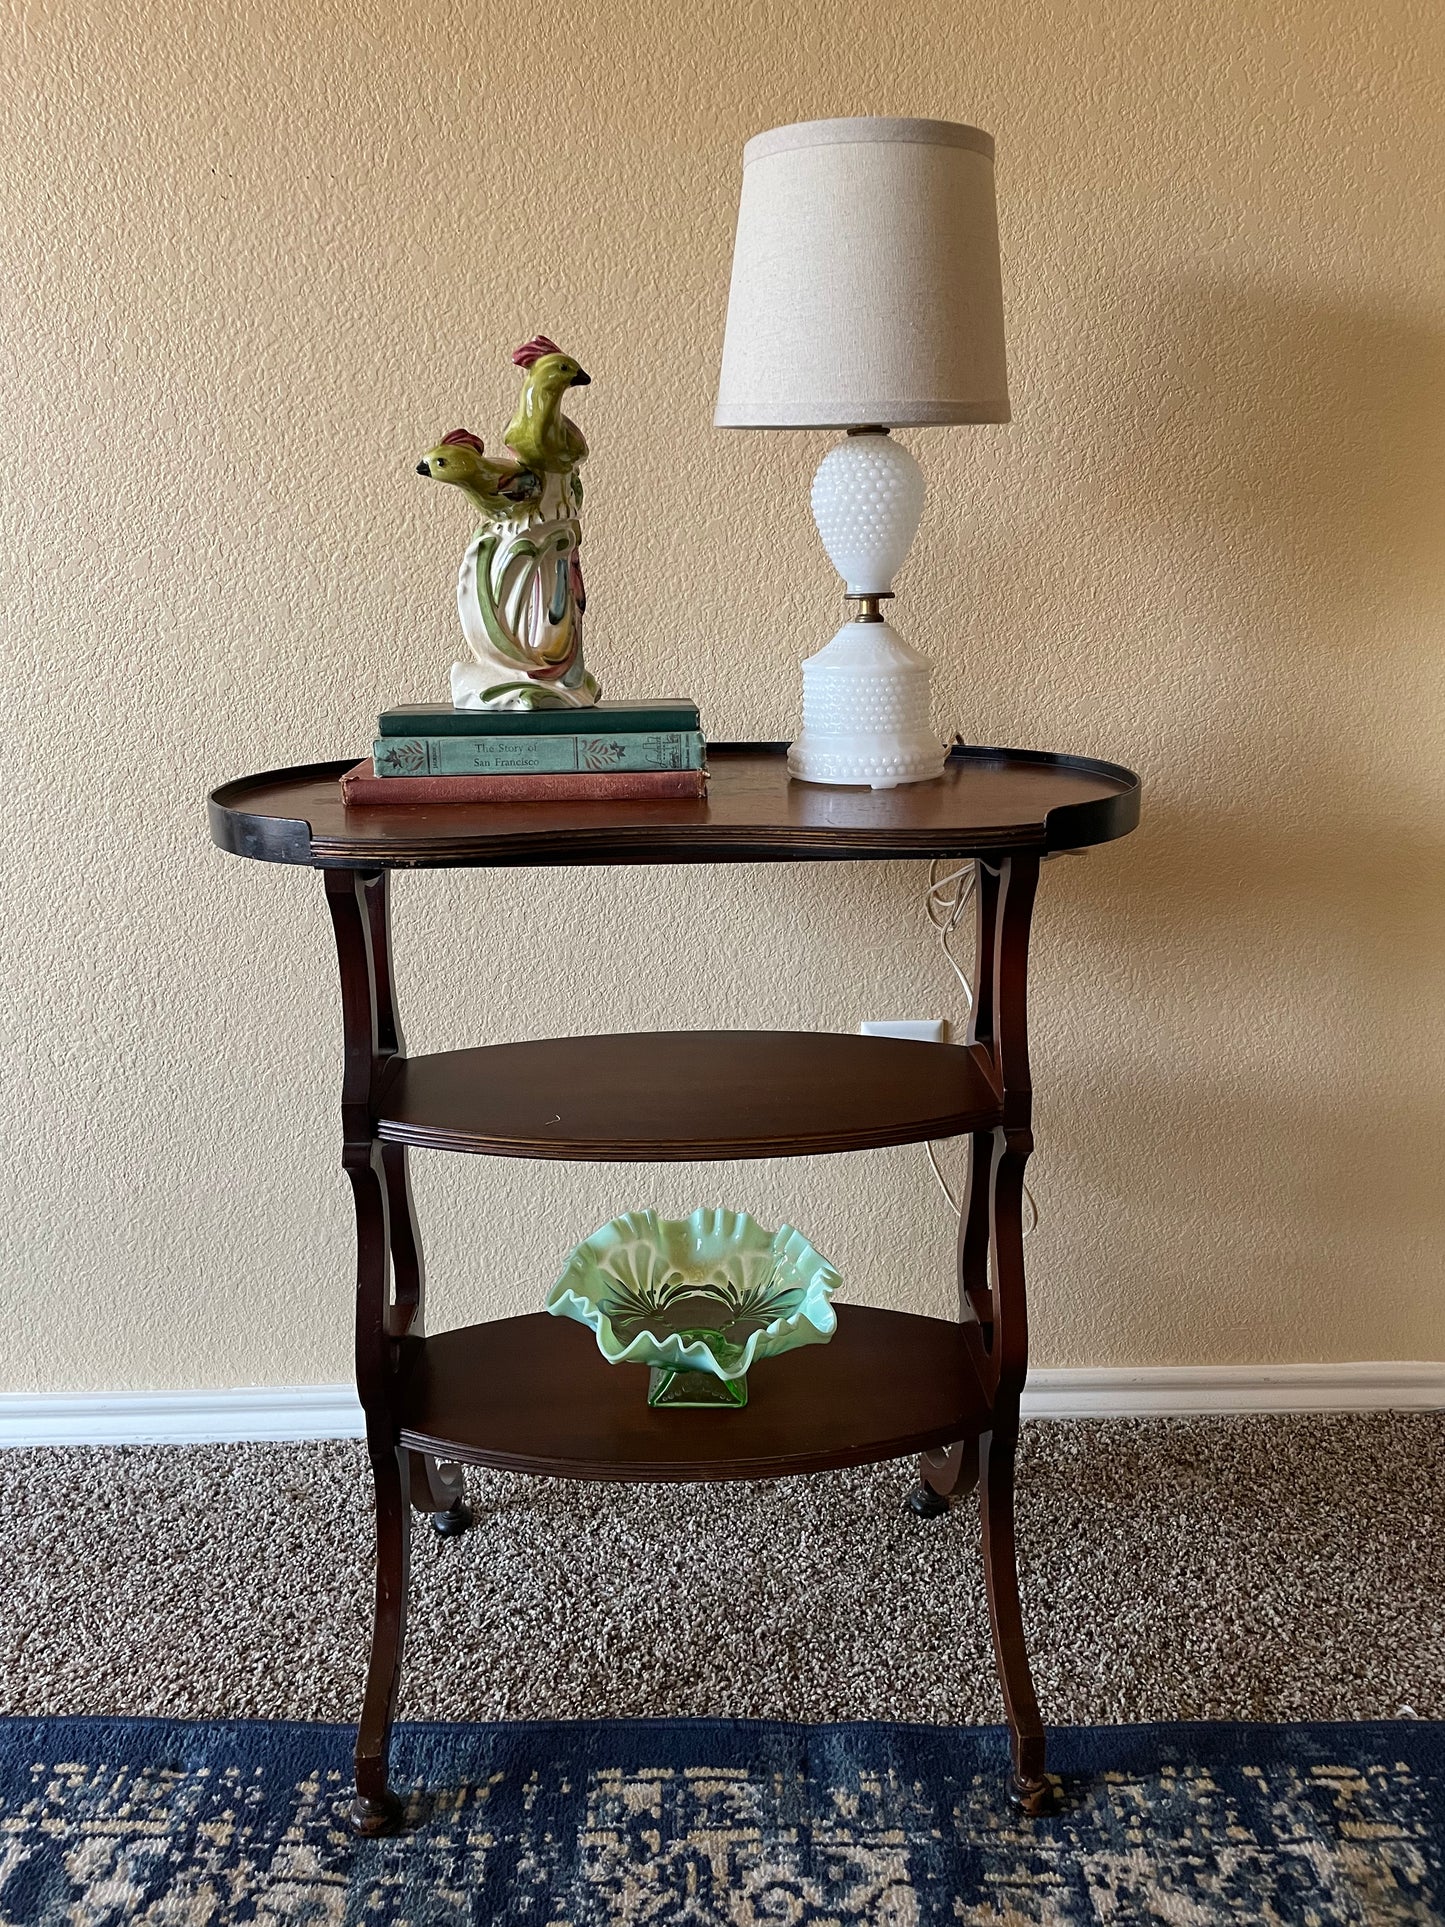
(919, 1030)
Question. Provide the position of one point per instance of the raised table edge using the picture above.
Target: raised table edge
(283, 839)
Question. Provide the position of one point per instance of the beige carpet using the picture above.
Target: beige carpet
(1269, 1569)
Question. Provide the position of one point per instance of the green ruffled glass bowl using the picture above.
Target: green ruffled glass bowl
(699, 1299)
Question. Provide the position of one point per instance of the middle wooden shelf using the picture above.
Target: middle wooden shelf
(665, 1096)
(534, 1394)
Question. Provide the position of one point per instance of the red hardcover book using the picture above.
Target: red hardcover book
(362, 788)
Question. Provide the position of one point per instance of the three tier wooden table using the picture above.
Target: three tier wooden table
(532, 1394)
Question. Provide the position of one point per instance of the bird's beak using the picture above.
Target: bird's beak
(423, 468)
(581, 379)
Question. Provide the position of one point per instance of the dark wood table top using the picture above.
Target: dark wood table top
(987, 800)
(534, 1394)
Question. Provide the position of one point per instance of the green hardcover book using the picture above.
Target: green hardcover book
(536, 755)
(627, 719)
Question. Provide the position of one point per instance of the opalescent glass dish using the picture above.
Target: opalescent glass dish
(700, 1299)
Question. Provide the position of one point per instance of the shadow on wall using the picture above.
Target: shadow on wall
(1291, 878)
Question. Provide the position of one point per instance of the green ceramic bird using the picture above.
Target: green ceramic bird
(520, 594)
(540, 435)
(493, 488)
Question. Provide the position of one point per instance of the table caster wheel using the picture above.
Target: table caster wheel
(371, 1819)
(1034, 1798)
(924, 1503)
(446, 1525)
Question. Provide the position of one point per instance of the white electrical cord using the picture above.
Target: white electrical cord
(945, 901)
(944, 912)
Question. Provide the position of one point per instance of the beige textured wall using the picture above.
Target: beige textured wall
(255, 257)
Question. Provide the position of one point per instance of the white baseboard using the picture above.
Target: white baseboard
(285, 1412)
(280, 1412)
(1163, 1391)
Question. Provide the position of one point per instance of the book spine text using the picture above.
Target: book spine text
(398, 756)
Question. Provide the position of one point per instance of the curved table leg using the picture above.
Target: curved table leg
(435, 1487)
(385, 1237)
(376, 1809)
(1030, 1787)
(953, 1473)
(993, 1231)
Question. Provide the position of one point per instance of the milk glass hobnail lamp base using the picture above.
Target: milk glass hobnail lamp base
(866, 695)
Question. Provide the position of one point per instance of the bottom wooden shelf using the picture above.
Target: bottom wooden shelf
(534, 1394)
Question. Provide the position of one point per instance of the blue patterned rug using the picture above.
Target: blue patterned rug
(178, 1824)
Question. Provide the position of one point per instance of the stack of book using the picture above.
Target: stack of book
(432, 753)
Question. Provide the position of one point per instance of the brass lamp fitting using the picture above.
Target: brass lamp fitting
(870, 611)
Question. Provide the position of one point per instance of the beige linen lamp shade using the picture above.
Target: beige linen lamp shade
(865, 285)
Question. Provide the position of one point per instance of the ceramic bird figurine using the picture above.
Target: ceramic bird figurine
(519, 590)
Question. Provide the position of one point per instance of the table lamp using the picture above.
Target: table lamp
(866, 296)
